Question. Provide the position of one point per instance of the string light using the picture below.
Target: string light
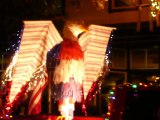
(111, 92)
(6, 77)
(108, 51)
(134, 86)
(38, 77)
(96, 86)
(126, 87)
(14, 47)
(155, 6)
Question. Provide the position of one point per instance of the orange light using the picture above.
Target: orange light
(140, 83)
(113, 88)
(60, 118)
(145, 85)
(108, 113)
(109, 107)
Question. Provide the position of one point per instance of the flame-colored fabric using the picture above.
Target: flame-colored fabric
(71, 63)
(70, 50)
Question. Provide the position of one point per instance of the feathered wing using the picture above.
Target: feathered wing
(37, 39)
(94, 44)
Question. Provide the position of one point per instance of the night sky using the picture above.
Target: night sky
(13, 12)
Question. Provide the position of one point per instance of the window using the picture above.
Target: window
(144, 59)
(118, 59)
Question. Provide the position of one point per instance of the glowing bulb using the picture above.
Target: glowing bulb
(111, 92)
(134, 86)
(108, 113)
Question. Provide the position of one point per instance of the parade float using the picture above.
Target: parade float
(27, 70)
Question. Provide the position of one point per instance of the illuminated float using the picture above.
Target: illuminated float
(27, 70)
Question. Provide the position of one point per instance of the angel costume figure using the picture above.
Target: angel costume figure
(69, 70)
